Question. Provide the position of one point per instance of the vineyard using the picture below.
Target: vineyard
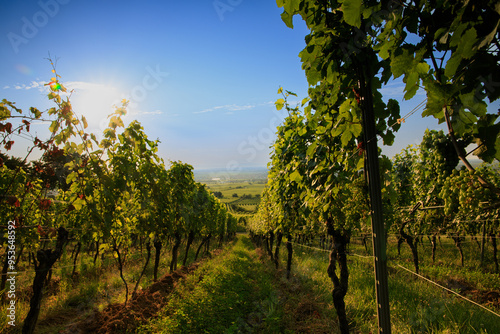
(100, 235)
(104, 197)
(328, 180)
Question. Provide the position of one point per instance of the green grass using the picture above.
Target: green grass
(415, 305)
(235, 295)
(447, 264)
(95, 287)
(234, 292)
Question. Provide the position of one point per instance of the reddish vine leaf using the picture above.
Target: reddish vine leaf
(27, 125)
(41, 231)
(45, 204)
(8, 128)
(18, 221)
(8, 145)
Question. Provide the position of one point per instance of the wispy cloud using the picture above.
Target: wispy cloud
(228, 107)
(208, 110)
(396, 90)
(237, 108)
(393, 90)
(156, 112)
(42, 85)
(32, 85)
(141, 113)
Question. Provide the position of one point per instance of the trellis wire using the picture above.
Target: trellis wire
(449, 290)
(414, 273)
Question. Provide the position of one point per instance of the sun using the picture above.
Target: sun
(95, 101)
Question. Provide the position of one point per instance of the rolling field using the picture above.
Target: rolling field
(241, 197)
(240, 188)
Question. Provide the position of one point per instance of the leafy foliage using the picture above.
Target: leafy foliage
(108, 193)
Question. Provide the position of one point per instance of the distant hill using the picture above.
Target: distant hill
(476, 163)
(223, 175)
(259, 174)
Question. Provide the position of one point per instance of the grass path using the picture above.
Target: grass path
(232, 293)
(239, 290)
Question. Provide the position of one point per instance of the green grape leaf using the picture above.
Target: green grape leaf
(345, 138)
(288, 19)
(361, 164)
(4, 112)
(279, 104)
(452, 65)
(295, 176)
(352, 10)
(412, 80)
(400, 62)
(470, 102)
(84, 121)
(468, 42)
(54, 126)
(36, 112)
(291, 6)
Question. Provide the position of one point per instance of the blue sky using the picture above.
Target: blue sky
(201, 76)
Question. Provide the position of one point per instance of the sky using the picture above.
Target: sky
(201, 76)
